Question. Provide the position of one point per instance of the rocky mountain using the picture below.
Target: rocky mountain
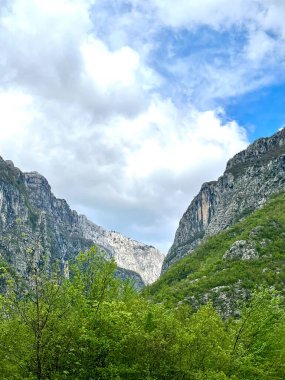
(32, 219)
(228, 267)
(250, 179)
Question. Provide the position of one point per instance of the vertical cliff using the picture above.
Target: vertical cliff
(250, 178)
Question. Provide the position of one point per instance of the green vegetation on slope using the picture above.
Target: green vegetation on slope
(210, 272)
(93, 326)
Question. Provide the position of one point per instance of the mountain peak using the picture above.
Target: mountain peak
(262, 149)
(249, 180)
(31, 216)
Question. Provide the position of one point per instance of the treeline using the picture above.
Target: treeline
(93, 326)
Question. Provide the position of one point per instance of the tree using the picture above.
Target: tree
(259, 338)
(33, 306)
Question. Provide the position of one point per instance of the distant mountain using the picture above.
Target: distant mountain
(32, 218)
(250, 178)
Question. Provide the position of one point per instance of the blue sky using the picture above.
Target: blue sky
(128, 106)
(262, 112)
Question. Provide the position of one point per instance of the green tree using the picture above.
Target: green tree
(259, 338)
(35, 305)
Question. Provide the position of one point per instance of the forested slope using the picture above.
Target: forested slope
(230, 265)
(94, 326)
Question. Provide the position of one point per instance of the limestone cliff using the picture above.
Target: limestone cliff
(250, 178)
(32, 218)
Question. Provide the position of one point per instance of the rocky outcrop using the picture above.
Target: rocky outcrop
(34, 223)
(130, 254)
(241, 250)
(250, 178)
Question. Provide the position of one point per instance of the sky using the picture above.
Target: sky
(128, 106)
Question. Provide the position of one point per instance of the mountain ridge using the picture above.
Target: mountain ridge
(31, 215)
(249, 180)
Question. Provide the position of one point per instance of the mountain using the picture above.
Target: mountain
(33, 219)
(249, 180)
(231, 239)
(227, 267)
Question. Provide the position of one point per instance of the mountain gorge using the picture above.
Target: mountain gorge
(217, 311)
(32, 218)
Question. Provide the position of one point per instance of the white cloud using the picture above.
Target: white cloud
(251, 57)
(260, 46)
(272, 17)
(134, 175)
(108, 69)
(81, 101)
(214, 13)
(48, 49)
(221, 14)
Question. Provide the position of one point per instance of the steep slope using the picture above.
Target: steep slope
(250, 178)
(31, 218)
(230, 265)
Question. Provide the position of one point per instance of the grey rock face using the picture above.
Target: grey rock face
(241, 250)
(35, 226)
(130, 254)
(250, 178)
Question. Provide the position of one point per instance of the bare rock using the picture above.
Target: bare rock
(250, 179)
(241, 250)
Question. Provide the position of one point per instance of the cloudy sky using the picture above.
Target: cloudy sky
(128, 106)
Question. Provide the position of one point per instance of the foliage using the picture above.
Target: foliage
(94, 326)
(206, 275)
